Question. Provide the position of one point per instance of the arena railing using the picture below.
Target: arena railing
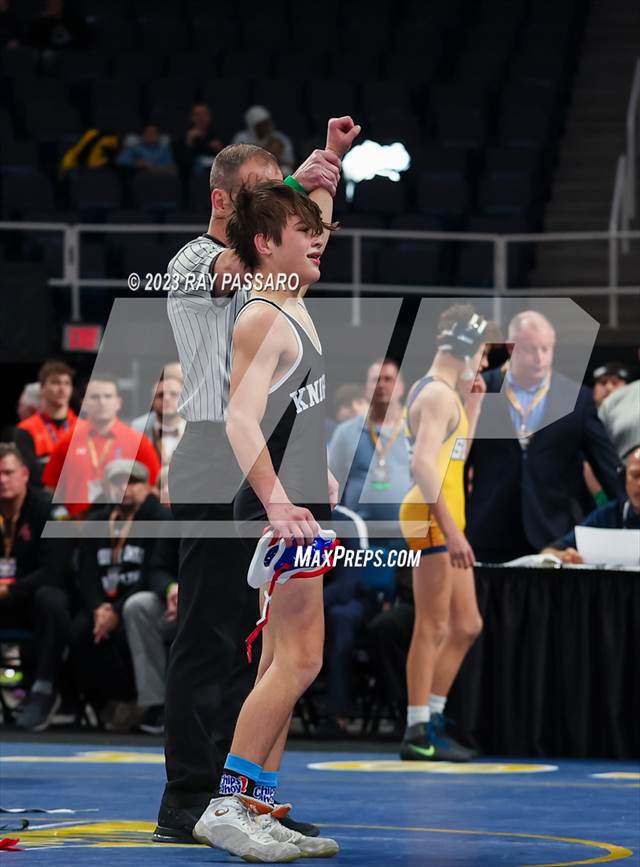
(632, 142)
(72, 260)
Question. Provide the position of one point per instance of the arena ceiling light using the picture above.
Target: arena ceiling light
(366, 160)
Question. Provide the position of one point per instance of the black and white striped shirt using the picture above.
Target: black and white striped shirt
(202, 328)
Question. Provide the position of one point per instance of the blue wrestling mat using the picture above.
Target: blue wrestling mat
(382, 811)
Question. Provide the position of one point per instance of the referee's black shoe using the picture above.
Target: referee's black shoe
(304, 828)
(175, 825)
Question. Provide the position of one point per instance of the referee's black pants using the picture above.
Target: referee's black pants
(208, 676)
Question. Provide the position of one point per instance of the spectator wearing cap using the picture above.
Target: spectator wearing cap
(76, 467)
(38, 435)
(620, 514)
(608, 378)
(163, 426)
(112, 570)
(33, 594)
(262, 132)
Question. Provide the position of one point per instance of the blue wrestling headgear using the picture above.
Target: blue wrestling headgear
(275, 563)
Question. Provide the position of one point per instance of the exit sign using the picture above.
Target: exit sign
(81, 338)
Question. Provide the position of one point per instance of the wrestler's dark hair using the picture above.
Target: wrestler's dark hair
(264, 210)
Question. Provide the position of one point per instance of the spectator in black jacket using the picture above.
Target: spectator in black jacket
(529, 489)
(111, 572)
(150, 622)
(32, 592)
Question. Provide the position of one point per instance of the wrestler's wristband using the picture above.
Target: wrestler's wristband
(290, 181)
(600, 497)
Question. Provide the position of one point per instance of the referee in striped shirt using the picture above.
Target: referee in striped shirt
(208, 677)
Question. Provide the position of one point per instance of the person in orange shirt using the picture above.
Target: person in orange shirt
(38, 435)
(76, 466)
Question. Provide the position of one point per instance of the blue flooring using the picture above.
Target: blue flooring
(381, 819)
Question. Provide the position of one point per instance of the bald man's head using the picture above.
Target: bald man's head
(534, 340)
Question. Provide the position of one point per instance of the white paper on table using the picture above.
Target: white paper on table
(599, 545)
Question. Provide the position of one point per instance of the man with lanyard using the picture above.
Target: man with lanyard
(369, 458)
(163, 425)
(529, 489)
(370, 455)
(38, 435)
(208, 677)
(32, 595)
(76, 467)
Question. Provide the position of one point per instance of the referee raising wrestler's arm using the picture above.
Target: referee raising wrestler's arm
(208, 678)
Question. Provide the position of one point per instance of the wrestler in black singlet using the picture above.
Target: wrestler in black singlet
(294, 429)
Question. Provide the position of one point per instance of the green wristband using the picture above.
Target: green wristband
(290, 181)
(601, 498)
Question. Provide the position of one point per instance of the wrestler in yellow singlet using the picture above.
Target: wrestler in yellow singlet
(426, 535)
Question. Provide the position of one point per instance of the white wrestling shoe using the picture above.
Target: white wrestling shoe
(310, 847)
(234, 823)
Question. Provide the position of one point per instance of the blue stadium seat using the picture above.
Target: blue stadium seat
(335, 266)
(143, 255)
(280, 94)
(409, 263)
(331, 98)
(531, 128)
(310, 62)
(155, 192)
(137, 66)
(445, 197)
(505, 193)
(94, 191)
(7, 129)
(93, 260)
(198, 196)
(26, 191)
(379, 196)
(17, 155)
(162, 35)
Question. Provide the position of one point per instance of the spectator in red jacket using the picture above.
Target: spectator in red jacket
(76, 467)
(38, 435)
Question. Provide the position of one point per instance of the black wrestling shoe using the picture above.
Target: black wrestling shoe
(175, 824)
(304, 828)
(421, 743)
(442, 738)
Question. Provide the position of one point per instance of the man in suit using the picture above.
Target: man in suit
(528, 488)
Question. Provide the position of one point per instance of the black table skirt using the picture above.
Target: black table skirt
(556, 671)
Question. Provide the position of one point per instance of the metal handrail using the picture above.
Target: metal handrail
(632, 148)
(72, 248)
(617, 206)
